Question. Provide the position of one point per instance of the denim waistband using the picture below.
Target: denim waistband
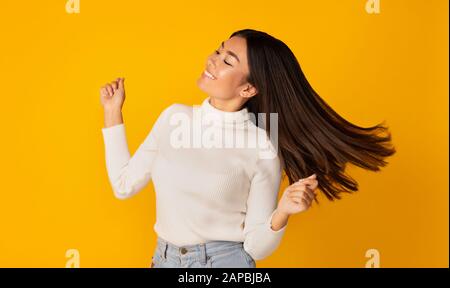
(208, 248)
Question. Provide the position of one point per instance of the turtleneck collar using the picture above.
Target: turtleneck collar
(236, 117)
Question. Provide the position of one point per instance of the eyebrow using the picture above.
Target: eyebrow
(231, 53)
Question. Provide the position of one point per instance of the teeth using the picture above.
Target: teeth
(209, 75)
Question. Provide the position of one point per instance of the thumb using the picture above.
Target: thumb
(121, 80)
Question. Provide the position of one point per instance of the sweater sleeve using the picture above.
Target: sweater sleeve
(130, 174)
(260, 239)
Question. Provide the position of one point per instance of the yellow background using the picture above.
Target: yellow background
(55, 194)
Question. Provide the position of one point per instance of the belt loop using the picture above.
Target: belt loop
(165, 250)
(203, 256)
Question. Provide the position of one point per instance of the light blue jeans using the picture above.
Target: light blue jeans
(214, 254)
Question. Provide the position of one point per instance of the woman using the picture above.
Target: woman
(217, 206)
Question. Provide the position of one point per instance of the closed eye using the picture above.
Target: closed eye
(217, 52)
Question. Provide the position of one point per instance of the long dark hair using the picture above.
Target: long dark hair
(312, 137)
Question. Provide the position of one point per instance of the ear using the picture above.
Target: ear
(249, 91)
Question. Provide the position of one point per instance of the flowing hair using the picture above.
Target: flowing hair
(312, 137)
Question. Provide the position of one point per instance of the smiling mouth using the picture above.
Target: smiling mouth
(209, 75)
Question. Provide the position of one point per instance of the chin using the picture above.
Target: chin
(201, 85)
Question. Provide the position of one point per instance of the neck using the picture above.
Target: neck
(231, 105)
(226, 116)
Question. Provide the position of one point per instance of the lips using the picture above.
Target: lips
(209, 75)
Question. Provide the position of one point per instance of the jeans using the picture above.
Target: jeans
(214, 254)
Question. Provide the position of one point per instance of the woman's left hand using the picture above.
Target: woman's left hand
(298, 196)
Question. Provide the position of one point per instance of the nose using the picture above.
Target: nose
(211, 60)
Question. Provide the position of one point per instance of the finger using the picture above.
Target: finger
(308, 189)
(313, 194)
(303, 180)
(312, 183)
(114, 85)
(301, 194)
(295, 189)
(103, 91)
(299, 190)
(110, 90)
(297, 200)
(313, 186)
(308, 196)
(306, 183)
(306, 202)
(310, 193)
(121, 80)
(298, 193)
(313, 176)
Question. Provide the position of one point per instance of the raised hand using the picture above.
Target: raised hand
(112, 95)
(298, 196)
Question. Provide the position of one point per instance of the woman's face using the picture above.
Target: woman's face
(229, 69)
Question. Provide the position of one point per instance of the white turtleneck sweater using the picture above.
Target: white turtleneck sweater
(208, 187)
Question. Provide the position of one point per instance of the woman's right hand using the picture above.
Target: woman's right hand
(112, 95)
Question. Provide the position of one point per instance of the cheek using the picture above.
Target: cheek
(229, 80)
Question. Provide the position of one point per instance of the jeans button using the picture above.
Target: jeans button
(183, 250)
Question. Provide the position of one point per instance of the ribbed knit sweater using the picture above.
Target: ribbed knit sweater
(211, 181)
